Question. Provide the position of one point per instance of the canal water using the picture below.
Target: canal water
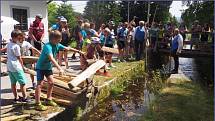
(131, 104)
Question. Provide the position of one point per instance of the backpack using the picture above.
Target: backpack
(140, 34)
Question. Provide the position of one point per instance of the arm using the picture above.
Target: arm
(3, 49)
(180, 44)
(73, 49)
(35, 50)
(51, 58)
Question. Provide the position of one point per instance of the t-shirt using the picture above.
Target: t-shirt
(55, 26)
(122, 34)
(43, 62)
(24, 48)
(109, 40)
(37, 30)
(177, 43)
(13, 50)
(93, 32)
(76, 31)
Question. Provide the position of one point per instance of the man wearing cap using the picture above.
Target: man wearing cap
(195, 29)
(36, 32)
(176, 47)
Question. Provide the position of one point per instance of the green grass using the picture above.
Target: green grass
(181, 100)
(115, 72)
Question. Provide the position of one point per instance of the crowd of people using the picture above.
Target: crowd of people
(129, 38)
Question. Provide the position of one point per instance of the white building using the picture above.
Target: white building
(24, 12)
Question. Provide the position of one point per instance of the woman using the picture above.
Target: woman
(65, 41)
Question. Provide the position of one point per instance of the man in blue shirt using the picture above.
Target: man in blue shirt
(44, 67)
(176, 47)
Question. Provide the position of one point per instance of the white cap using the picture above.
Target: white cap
(63, 20)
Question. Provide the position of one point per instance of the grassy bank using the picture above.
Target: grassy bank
(181, 100)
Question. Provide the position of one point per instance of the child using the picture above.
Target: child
(44, 67)
(108, 43)
(25, 51)
(15, 66)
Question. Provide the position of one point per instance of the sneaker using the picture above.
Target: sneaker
(123, 60)
(73, 57)
(119, 60)
(40, 107)
(15, 100)
(50, 103)
(106, 67)
(112, 66)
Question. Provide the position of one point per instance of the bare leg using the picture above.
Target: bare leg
(66, 59)
(32, 78)
(60, 57)
(23, 90)
(13, 86)
(50, 80)
(38, 91)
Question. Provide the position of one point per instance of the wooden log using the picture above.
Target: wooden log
(60, 91)
(110, 50)
(15, 117)
(64, 78)
(27, 59)
(56, 99)
(86, 74)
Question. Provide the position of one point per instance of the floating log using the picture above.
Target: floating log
(86, 74)
(110, 50)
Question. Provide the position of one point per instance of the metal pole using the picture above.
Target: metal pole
(128, 11)
(148, 14)
(155, 12)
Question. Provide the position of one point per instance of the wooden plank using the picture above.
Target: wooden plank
(15, 117)
(110, 50)
(86, 74)
(26, 59)
(59, 91)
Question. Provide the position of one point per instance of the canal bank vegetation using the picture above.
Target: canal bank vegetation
(180, 100)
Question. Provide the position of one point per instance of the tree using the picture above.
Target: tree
(140, 9)
(52, 13)
(66, 10)
(203, 11)
(102, 11)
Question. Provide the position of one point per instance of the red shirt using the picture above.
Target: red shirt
(37, 29)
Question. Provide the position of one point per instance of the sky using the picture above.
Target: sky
(175, 8)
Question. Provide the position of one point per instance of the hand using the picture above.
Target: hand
(80, 52)
(61, 73)
(177, 53)
(25, 69)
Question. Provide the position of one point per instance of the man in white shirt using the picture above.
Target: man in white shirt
(176, 47)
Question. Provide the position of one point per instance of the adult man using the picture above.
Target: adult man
(36, 32)
(139, 37)
(195, 29)
(56, 26)
(176, 47)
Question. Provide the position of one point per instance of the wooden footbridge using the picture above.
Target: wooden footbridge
(199, 49)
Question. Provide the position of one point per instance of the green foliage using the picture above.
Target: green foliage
(101, 12)
(198, 10)
(66, 10)
(52, 13)
(140, 9)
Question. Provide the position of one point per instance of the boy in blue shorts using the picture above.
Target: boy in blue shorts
(15, 66)
(44, 67)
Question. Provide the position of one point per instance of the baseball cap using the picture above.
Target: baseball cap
(63, 20)
(39, 16)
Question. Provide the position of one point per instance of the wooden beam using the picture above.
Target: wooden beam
(110, 50)
(86, 74)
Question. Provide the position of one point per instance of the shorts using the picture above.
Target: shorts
(121, 44)
(18, 76)
(38, 45)
(42, 73)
